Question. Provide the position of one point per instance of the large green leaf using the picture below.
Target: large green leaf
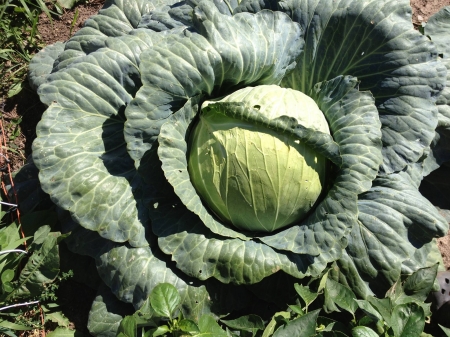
(117, 18)
(106, 313)
(201, 254)
(375, 41)
(394, 220)
(437, 28)
(41, 64)
(230, 52)
(133, 273)
(168, 17)
(95, 180)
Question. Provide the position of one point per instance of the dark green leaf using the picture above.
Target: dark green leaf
(127, 327)
(419, 284)
(363, 331)
(304, 326)
(187, 325)
(307, 295)
(251, 323)
(41, 268)
(369, 310)
(408, 320)
(384, 307)
(341, 295)
(209, 328)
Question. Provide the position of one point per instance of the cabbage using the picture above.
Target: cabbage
(340, 106)
(253, 177)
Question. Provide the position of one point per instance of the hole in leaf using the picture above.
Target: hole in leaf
(443, 291)
(200, 271)
(447, 280)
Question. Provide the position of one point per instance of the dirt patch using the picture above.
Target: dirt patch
(444, 247)
(423, 9)
(62, 28)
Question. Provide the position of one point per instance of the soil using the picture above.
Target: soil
(27, 107)
(423, 9)
(62, 28)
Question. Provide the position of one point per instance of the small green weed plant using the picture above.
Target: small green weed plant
(29, 274)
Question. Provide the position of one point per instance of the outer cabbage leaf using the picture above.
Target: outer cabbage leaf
(395, 223)
(428, 255)
(117, 18)
(234, 51)
(133, 273)
(95, 180)
(41, 64)
(435, 186)
(201, 254)
(106, 313)
(168, 17)
(437, 29)
(374, 41)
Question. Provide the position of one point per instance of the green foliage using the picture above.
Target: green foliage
(402, 313)
(30, 278)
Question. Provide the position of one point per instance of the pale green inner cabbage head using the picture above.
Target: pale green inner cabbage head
(253, 177)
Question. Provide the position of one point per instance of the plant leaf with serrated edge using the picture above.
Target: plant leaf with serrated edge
(14, 326)
(55, 316)
(41, 268)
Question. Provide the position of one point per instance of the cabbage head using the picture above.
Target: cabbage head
(233, 148)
